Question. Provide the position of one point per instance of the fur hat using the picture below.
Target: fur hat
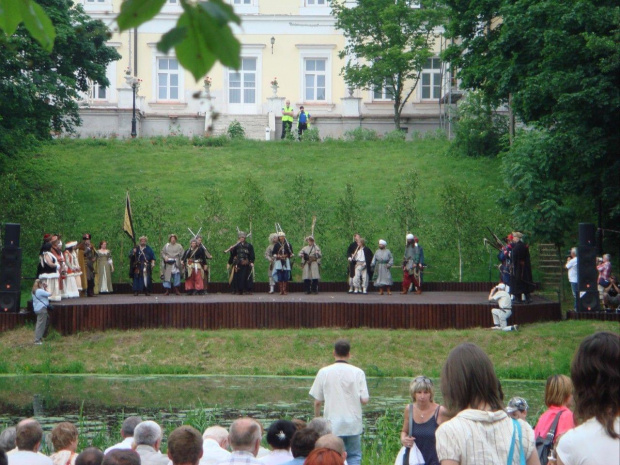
(86, 237)
(241, 234)
(382, 242)
(410, 237)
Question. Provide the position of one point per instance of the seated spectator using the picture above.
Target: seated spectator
(332, 442)
(121, 457)
(7, 439)
(89, 456)
(279, 437)
(611, 294)
(127, 429)
(65, 441)
(595, 372)
(321, 425)
(558, 396)
(302, 443)
(28, 440)
(603, 265)
(517, 408)
(185, 446)
(324, 457)
(146, 439)
(214, 445)
(244, 437)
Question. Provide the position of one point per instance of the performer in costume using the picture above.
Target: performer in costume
(141, 264)
(413, 265)
(82, 263)
(241, 263)
(90, 257)
(521, 281)
(382, 262)
(351, 264)
(363, 260)
(57, 252)
(504, 256)
(311, 262)
(171, 256)
(205, 267)
(273, 238)
(104, 269)
(282, 251)
(48, 271)
(194, 259)
(73, 271)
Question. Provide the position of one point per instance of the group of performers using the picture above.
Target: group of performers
(515, 269)
(78, 270)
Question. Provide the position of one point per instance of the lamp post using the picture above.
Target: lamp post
(273, 41)
(135, 84)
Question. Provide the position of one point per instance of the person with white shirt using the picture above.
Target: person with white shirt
(500, 315)
(146, 442)
(342, 388)
(127, 429)
(573, 277)
(214, 445)
(28, 441)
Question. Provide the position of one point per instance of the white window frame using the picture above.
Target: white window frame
(384, 94)
(169, 73)
(435, 74)
(155, 56)
(241, 7)
(97, 5)
(172, 6)
(254, 51)
(316, 52)
(312, 7)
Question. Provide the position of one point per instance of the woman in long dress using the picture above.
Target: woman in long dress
(104, 267)
(72, 290)
(382, 262)
(49, 272)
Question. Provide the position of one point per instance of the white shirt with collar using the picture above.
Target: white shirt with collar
(26, 457)
(150, 456)
(124, 444)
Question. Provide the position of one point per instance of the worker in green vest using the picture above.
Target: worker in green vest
(287, 118)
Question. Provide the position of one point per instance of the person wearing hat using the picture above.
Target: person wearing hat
(86, 259)
(363, 260)
(193, 260)
(205, 267)
(273, 238)
(517, 408)
(413, 265)
(382, 262)
(282, 251)
(242, 260)
(141, 264)
(73, 271)
(310, 262)
(171, 255)
(350, 252)
(500, 315)
(521, 280)
(505, 257)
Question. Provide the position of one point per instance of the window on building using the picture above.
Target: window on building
(97, 91)
(242, 2)
(172, 2)
(314, 79)
(385, 92)
(316, 2)
(167, 79)
(96, 1)
(431, 79)
(242, 83)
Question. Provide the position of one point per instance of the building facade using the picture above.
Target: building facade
(293, 41)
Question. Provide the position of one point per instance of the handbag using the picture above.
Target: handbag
(406, 455)
(516, 428)
(544, 445)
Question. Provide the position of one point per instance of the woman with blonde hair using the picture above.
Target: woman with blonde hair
(427, 416)
(558, 396)
(65, 441)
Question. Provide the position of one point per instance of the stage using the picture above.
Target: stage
(466, 307)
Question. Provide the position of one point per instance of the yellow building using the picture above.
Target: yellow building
(294, 41)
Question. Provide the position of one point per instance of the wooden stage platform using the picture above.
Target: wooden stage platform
(466, 307)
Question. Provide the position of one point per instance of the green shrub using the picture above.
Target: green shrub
(395, 135)
(311, 135)
(360, 134)
(235, 130)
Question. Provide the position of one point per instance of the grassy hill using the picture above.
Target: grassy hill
(78, 186)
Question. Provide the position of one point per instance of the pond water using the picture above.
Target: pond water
(100, 403)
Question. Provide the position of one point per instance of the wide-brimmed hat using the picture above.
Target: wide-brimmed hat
(70, 244)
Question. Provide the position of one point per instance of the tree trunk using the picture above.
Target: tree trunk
(397, 114)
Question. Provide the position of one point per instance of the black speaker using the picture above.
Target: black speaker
(587, 275)
(9, 301)
(589, 302)
(10, 269)
(587, 233)
(11, 235)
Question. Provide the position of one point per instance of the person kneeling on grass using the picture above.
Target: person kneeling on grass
(500, 315)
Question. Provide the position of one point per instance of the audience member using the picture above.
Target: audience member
(244, 437)
(343, 389)
(517, 408)
(481, 431)
(28, 441)
(320, 425)
(147, 438)
(3, 459)
(332, 442)
(127, 429)
(121, 457)
(65, 441)
(279, 437)
(573, 275)
(185, 446)
(214, 445)
(611, 294)
(558, 396)
(595, 372)
(7, 439)
(299, 423)
(324, 457)
(302, 444)
(89, 456)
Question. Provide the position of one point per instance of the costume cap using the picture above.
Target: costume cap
(86, 237)
(70, 244)
(409, 237)
(241, 234)
(175, 236)
(382, 242)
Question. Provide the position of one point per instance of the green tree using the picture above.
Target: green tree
(389, 42)
(39, 91)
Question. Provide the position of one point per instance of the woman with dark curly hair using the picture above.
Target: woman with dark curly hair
(596, 376)
(279, 437)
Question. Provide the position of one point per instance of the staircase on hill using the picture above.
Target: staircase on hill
(254, 125)
(551, 268)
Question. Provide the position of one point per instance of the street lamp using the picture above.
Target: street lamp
(135, 85)
(273, 41)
